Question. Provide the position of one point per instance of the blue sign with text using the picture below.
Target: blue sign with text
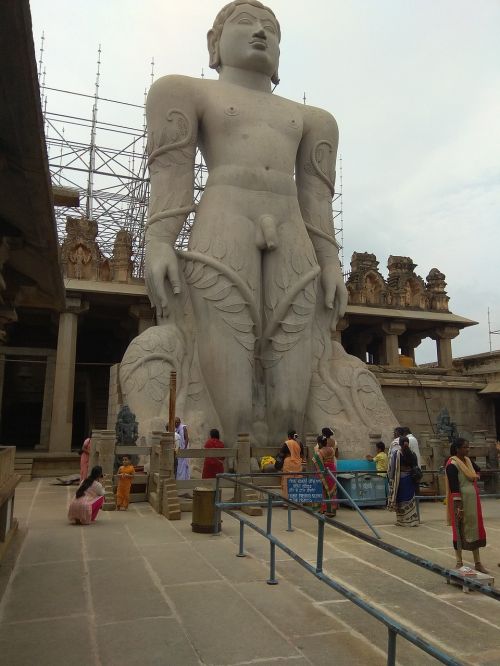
(305, 489)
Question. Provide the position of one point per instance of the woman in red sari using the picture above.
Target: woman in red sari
(213, 466)
(324, 461)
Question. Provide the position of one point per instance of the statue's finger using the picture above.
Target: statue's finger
(173, 277)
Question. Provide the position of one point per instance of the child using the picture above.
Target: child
(125, 474)
(381, 461)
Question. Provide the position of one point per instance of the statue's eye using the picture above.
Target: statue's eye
(270, 28)
(244, 21)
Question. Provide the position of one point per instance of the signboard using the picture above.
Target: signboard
(305, 489)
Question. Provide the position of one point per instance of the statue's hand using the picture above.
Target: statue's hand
(161, 265)
(334, 289)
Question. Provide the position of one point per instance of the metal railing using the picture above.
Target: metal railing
(394, 628)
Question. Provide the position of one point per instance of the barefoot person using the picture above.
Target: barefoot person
(88, 500)
(464, 505)
(125, 475)
(401, 484)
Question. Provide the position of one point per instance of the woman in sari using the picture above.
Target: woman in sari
(88, 500)
(292, 452)
(324, 460)
(464, 505)
(84, 459)
(213, 466)
(401, 484)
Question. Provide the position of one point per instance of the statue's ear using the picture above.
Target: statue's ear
(213, 50)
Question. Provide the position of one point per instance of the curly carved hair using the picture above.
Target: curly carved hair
(215, 32)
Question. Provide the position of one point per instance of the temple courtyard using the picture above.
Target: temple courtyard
(134, 588)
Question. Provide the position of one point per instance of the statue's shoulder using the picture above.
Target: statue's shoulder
(173, 85)
(317, 119)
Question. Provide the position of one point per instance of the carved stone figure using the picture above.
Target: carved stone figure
(445, 426)
(436, 289)
(81, 257)
(406, 289)
(365, 285)
(245, 315)
(122, 256)
(126, 427)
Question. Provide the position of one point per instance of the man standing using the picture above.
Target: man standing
(413, 444)
(182, 473)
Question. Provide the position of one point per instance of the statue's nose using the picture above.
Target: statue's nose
(260, 34)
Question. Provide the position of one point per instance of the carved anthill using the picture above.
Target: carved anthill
(81, 256)
(365, 285)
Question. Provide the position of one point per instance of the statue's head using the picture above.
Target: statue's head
(245, 34)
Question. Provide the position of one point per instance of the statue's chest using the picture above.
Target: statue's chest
(253, 117)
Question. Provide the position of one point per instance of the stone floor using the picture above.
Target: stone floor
(134, 588)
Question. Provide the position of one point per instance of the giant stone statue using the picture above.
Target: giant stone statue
(245, 315)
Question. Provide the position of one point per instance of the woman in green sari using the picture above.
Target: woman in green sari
(464, 505)
(324, 461)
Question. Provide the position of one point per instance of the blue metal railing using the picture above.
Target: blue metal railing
(274, 499)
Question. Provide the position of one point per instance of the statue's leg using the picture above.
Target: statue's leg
(290, 275)
(222, 270)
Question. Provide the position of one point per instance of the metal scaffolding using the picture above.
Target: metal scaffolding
(106, 162)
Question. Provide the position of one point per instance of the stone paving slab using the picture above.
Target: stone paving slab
(138, 578)
(182, 557)
(46, 643)
(51, 545)
(340, 649)
(123, 590)
(224, 628)
(145, 642)
(45, 591)
(301, 618)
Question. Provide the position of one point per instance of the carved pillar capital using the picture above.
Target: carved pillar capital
(447, 332)
(394, 327)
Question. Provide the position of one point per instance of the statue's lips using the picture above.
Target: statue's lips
(259, 44)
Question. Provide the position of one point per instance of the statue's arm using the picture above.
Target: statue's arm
(315, 176)
(172, 124)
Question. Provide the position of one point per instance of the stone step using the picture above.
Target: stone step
(23, 465)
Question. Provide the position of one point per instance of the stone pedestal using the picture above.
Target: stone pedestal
(61, 427)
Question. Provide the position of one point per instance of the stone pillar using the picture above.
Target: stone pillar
(392, 330)
(444, 335)
(144, 315)
(170, 506)
(115, 400)
(48, 397)
(409, 344)
(243, 467)
(342, 324)
(103, 454)
(61, 427)
(2, 379)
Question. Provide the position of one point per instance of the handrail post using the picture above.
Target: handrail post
(289, 528)
(241, 552)
(319, 551)
(272, 555)
(217, 512)
(391, 647)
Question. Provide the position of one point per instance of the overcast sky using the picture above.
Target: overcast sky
(415, 88)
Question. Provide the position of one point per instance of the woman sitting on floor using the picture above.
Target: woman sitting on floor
(88, 500)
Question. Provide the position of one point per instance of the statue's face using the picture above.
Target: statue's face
(250, 40)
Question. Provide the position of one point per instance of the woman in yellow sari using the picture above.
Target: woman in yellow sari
(292, 452)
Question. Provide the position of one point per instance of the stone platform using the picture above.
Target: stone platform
(134, 588)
